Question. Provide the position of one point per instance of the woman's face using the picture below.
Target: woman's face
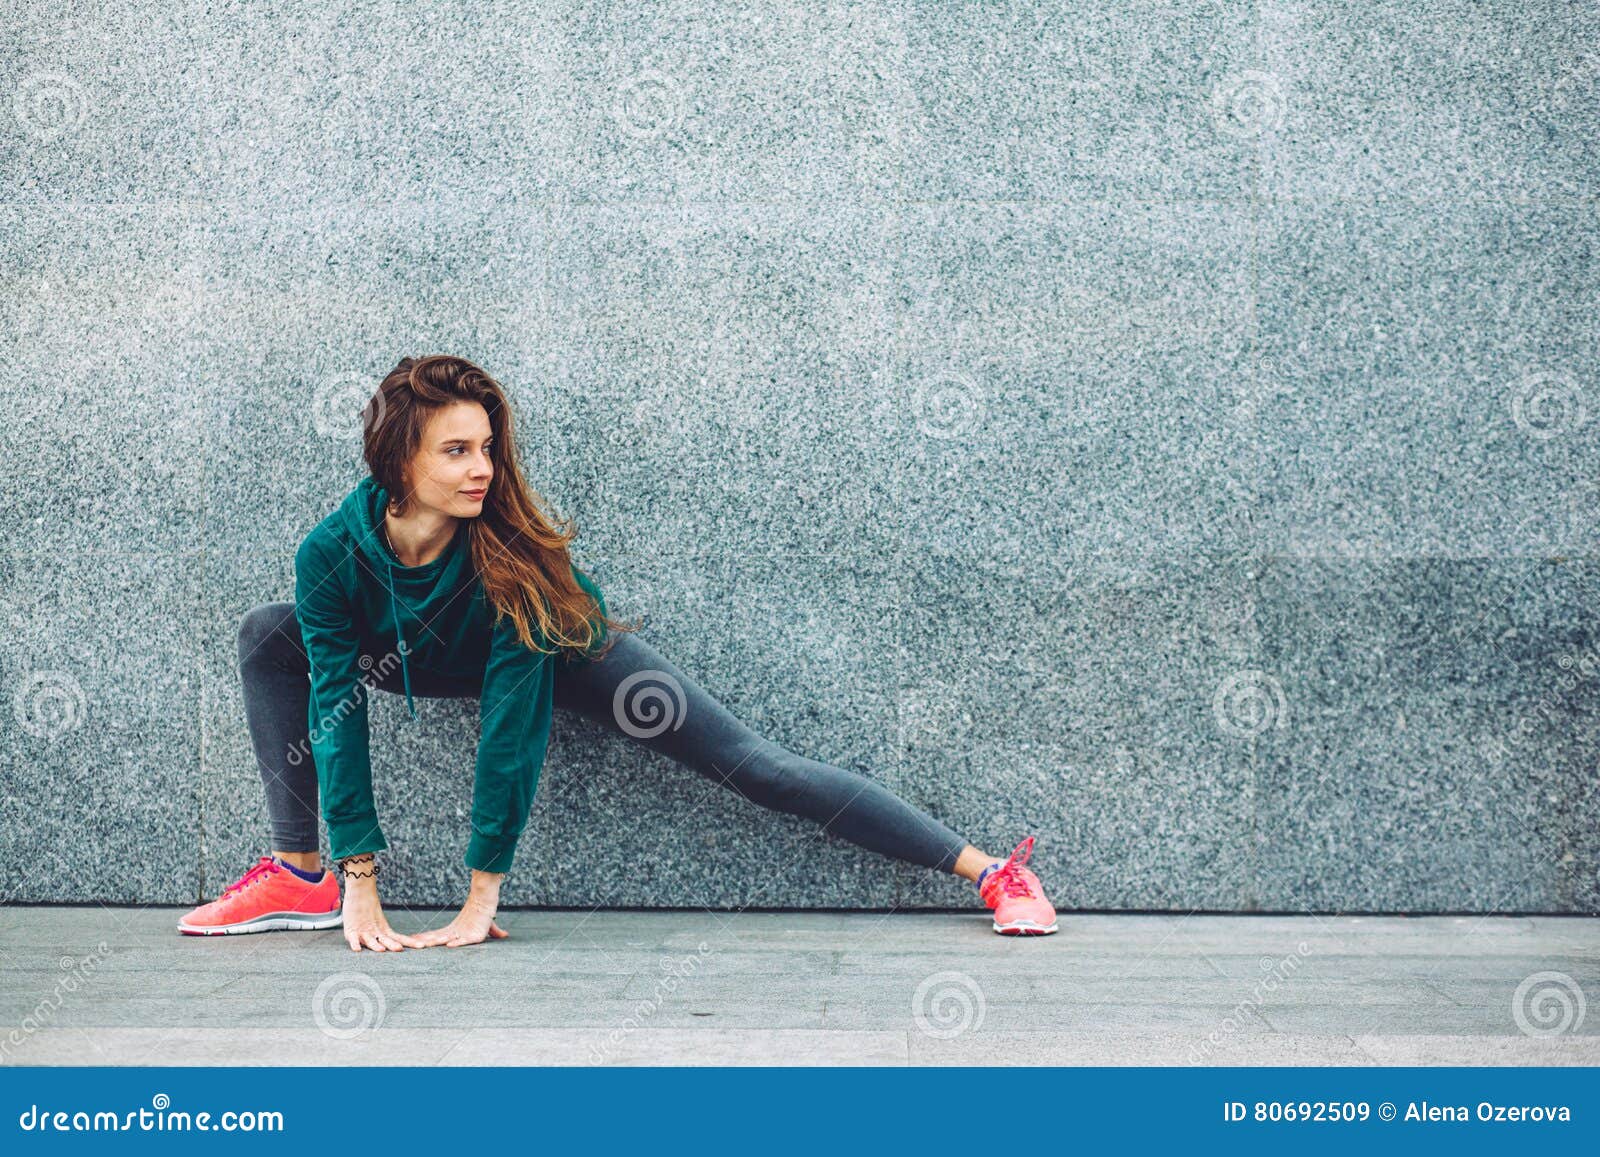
(451, 470)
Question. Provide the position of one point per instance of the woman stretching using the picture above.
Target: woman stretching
(442, 555)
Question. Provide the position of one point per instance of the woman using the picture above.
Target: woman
(439, 576)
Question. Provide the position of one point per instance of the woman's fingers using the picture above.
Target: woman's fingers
(380, 940)
(461, 939)
(388, 940)
(376, 939)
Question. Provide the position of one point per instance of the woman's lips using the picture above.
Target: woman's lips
(474, 493)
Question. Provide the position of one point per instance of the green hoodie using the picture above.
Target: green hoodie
(354, 599)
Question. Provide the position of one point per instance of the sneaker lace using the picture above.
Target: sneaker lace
(1009, 876)
(264, 866)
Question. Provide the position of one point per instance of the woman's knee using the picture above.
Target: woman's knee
(773, 777)
(262, 629)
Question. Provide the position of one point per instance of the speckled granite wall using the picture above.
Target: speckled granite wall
(1167, 430)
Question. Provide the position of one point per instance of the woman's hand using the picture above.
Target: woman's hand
(365, 925)
(475, 923)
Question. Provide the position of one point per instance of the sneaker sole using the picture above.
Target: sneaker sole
(268, 922)
(1024, 928)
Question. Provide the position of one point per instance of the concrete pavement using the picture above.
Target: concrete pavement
(106, 985)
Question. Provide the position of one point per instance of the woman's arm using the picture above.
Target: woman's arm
(337, 709)
(514, 732)
(337, 717)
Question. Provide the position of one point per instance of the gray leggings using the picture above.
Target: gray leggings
(277, 685)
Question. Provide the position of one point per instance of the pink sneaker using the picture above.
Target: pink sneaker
(1017, 897)
(268, 898)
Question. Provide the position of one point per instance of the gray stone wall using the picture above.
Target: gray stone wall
(1164, 429)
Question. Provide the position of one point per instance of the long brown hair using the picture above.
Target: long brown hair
(518, 552)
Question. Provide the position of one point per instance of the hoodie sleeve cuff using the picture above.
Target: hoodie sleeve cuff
(490, 853)
(354, 835)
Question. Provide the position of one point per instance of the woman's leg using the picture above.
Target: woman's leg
(276, 676)
(635, 690)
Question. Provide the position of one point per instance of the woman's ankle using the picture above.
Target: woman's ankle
(971, 863)
(305, 861)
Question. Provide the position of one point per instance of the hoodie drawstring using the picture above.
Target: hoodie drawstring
(394, 604)
(405, 667)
